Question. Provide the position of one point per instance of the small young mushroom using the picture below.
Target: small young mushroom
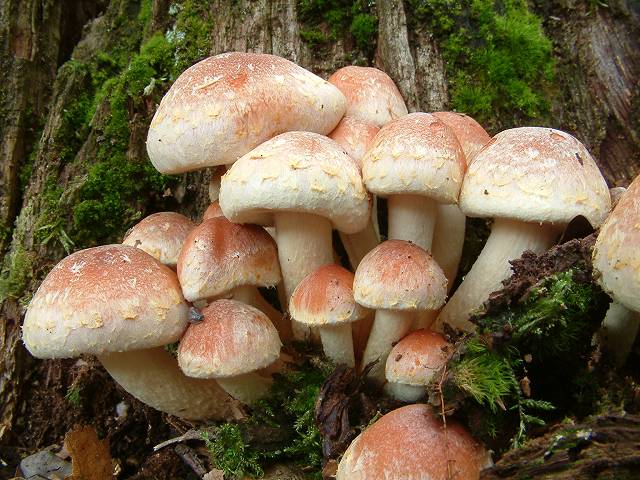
(308, 183)
(413, 362)
(324, 299)
(616, 258)
(123, 305)
(371, 94)
(415, 161)
(220, 258)
(230, 344)
(224, 106)
(396, 278)
(411, 443)
(212, 211)
(533, 181)
(161, 235)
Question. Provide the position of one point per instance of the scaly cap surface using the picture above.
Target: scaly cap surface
(355, 136)
(471, 135)
(417, 357)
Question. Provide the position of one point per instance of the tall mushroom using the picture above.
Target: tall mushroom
(309, 184)
(396, 278)
(616, 260)
(121, 304)
(415, 161)
(324, 299)
(532, 181)
(230, 344)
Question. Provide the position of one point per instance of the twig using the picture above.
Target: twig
(189, 457)
(193, 434)
(444, 420)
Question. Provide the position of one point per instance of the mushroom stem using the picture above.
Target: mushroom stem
(360, 331)
(389, 326)
(251, 296)
(412, 218)
(214, 183)
(619, 330)
(507, 241)
(425, 319)
(247, 388)
(404, 392)
(448, 239)
(337, 343)
(359, 244)
(152, 376)
(304, 244)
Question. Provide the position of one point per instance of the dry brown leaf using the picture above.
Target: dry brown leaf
(90, 458)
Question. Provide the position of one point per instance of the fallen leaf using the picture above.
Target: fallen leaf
(90, 458)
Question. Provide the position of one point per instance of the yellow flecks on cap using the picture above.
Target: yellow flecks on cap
(269, 176)
(330, 170)
(297, 164)
(208, 83)
(129, 314)
(93, 321)
(316, 188)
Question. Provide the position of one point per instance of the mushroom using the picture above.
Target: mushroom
(212, 211)
(308, 183)
(324, 299)
(161, 235)
(396, 278)
(411, 443)
(230, 344)
(616, 263)
(220, 258)
(413, 362)
(415, 161)
(121, 304)
(533, 181)
(224, 106)
(371, 94)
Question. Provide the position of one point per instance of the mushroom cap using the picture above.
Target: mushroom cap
(417, 357)
(297, 172)
(470, 133)
(219, 256)
(213, 211)
(616, 255)
(161, 235)
(355, 136)
(535, 174)
(232, 339)
(410, 444)
(325, 297)
(112, 298)
(399, 275)
(371, 94)
(416, 154)
(222, 107)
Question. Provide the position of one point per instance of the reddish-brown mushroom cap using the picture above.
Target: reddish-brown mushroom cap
(410, 444)
(233, 339)
(417, 357)
(219, 256)
(213, 211)
(161, 235)
(470, 133)
(355, 136)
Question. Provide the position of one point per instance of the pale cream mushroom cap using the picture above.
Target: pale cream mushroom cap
(616, 255)
(399, 275)
(232, 340)
(112, 298)
(222, 107)
(219, 256)
(418, 155)
(535, 174)
(355, 136)
(371, 94)
(471, 135)
(416, 358)
(296, 172)
(410, 443)
(161, 235)
(325, 297)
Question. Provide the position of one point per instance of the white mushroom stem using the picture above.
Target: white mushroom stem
(247, 388)
(360, 331)
(508, 239)
(618, 331)
(448, 240)
(359, 244)
(412, 218)
(214, 184)
(251, 296)
(337, 343)
(304, 244)
(404, 392)
(425, 319)
(389, 327)
(152, 376)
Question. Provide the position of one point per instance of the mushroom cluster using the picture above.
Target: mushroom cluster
(309, 156)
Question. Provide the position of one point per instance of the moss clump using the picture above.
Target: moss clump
(289, 411)
(499, 61)
(328, 20)
(15, 274)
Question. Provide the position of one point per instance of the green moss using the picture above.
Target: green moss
(230, 454)
(499, 61)
(16, 273)
(191, 34)
(73, 396)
